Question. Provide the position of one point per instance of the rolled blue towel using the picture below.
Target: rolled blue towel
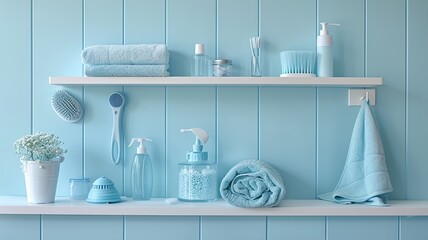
(253, 183)
(126, 70)
(137, 54)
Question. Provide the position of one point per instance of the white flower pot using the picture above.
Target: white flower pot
(41, 179)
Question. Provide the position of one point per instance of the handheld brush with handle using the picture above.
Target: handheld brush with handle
(66, 106)
(117, 101)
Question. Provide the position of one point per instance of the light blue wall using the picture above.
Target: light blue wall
(303, 132)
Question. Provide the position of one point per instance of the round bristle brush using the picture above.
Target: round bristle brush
(66, 106)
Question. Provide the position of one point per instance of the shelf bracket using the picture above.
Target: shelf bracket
(355, 96)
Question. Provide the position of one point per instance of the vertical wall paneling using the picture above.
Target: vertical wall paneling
(162, 228)
(57, 41)
(285, 25)
(145, 117)
(15, 43)
(189, 22)
(287, 136)
(234, 33)
(390, 103)
(20, 227)
(303, 132)
(348, 39)
(287, 127)
(228, 228)
(237, 121)
(103, 22)
(417, 116)
(335, 124)
(144, 21)
(303, 228)
(187, 107)
(355, 228)
(82, 227)
(413, 228)
(335, 118)
(103, 25)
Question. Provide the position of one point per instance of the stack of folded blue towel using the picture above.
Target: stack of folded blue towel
(139, 60)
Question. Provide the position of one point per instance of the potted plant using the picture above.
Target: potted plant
(40, 156)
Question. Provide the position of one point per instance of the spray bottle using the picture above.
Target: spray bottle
(141, 172)
(197, 180)
(325, 51)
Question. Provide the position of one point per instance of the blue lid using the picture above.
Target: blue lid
(196, 156)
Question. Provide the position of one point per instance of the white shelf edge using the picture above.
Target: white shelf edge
(158, 207)
(218, 81)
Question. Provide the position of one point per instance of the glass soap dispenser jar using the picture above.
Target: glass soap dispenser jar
(197, 177)
(141, 172)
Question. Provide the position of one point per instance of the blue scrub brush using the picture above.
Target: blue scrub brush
(298, 63)
(66, 106)
(117, 101)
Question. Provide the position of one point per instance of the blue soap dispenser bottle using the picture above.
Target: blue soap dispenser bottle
(197, 177)
(141, 172)
(325, 51)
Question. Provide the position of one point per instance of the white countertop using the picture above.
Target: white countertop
(159, 207)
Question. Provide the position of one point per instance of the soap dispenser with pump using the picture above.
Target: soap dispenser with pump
(325, 51)
(197, 177)
(141, 172)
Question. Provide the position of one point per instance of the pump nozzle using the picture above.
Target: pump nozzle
(201, 136)
(324, 30)
(197, 154)
(140, 149)
(199, 133)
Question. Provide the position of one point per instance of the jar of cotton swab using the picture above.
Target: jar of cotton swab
(222, 68)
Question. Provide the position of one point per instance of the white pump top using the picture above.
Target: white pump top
(324, 30)
(197, 155)
(199, 133)
(140, 149)
(324, 39)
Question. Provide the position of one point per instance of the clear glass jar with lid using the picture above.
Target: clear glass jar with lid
(79, 188)
(222, 68)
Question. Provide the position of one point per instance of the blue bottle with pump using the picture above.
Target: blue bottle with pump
(197, 177)
(141, 172)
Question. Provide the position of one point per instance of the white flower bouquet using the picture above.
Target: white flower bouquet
(39, 147)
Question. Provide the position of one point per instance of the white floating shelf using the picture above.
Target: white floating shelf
(218, 81)
(158, 207)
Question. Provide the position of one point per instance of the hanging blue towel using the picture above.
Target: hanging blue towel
(365, 177)
(137, 54)
(126, 70)
(252, 183)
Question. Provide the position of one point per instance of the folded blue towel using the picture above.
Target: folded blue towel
(126, 70)
(137, 54)
(365, 177)
(252, 183)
